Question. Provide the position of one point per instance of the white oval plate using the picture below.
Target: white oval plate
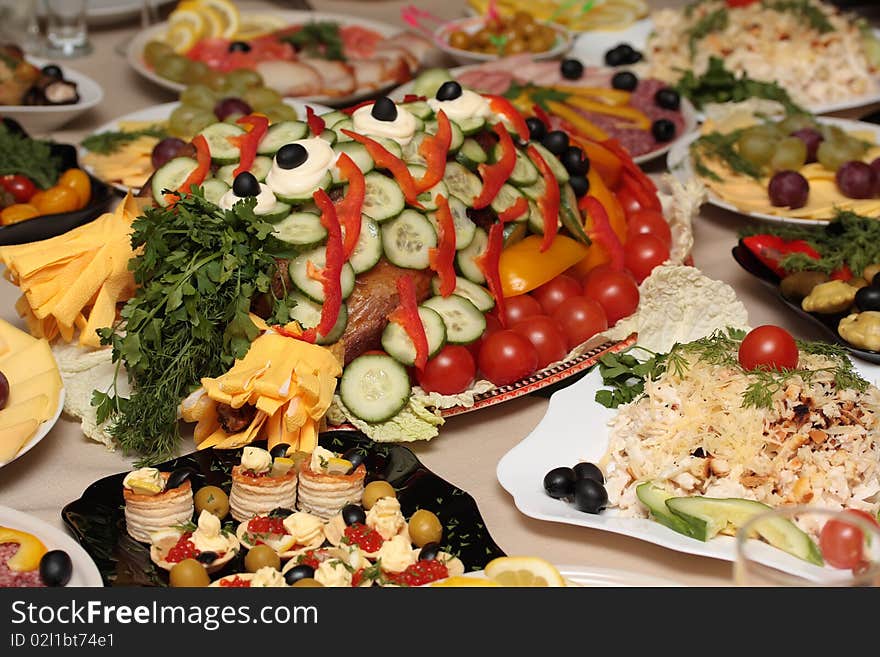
(41, 433)
(681, 167)
(85, 572)
(597, 577)
(160, 113)
(575, 429)
(136, 48)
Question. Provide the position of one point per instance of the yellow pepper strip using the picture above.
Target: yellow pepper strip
(608, 96)
(577, 120)
(596, 255)
(627, 113)
(524, 267)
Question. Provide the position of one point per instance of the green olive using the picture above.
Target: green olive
(424, 528)
(482, 38)
(376, 490)
(869, 272)
(516, 46)
(309, 583)
(261, 556)
(460, 39)
(797, 286)
(188, 573)
(212, 499)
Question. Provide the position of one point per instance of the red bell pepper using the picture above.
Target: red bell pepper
(515, 211)
(601, 231)
(503, 107)
(349, 208)
(198, 175)
(488, 264)
(435, 149)
(542, 115)
(413, 98)
(495, 175)
(442, 259)
(772, 249)
(636, 175)
(407, 316)
(549, 202)
(646, 199)
(384, 159)
(354, 108)
(330, 274)
(316, 123)
(248, 142)
(843, 273)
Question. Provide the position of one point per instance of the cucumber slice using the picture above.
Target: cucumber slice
(536, 219)
(524, 172)
(313, 289)
(466, 258)
(368, 250)
(308, 314)
(419, 109)
(359, 155)
(329, 136)
(391, 146)
(222, 150)
(397, 343)
(339, 127)
(476, 294)
(406, 240)
(553, 162)
(410, 152)
(465, 229)
(383, 198)
(536, 190)
(507, 196)
(464, 322)
(471, 154)
(428, 82)
(260, 168)
(301, 229)
(303, 197)
(471, 126)
(457, 134)
(654, 497)
(570, 215)
(515, 232)
(374, 387)
(280, 134)
(462, 183)
(276, 213)
(428, 198)
(334, 117)
(214, 189)
(170, 176)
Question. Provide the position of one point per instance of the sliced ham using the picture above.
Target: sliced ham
(370, 73)
(487, 82)
(290, 78)
(337, 77)
(396, 53)
(418, 46)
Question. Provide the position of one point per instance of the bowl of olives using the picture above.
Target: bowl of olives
(482, 39)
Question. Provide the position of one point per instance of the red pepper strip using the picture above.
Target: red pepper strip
(637, 174)
(647, 200)
(331, 273)
(248, 142)
(387, 160)
(349, 208)
(601, 232)
(407, 316)
(198, 175)
(542, 116)
(442, 259)
(488, 264)
(503, 107)
(354, 108)
(843, 273)
(435, 149)
(549, 202)
(316, 123)
(413, 98)
(772, 249)
(495, 175)
(515, 211)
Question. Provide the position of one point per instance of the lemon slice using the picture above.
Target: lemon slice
(523, 571)
(464, 582)
(224, 15)
(338, 466)
(254, 25)
(182, 37)
(30, 549)
(282, 465)
(187, 14)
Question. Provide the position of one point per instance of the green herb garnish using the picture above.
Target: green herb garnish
(714, 21)
(538, 95)
(318, 39)
(111, 141)
(718, 146)
(806, 12)
(33, 158)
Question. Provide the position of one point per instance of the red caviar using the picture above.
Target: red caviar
(266, 525)
(366, 538)
(183, 549)
(420, 573)
(235, 582)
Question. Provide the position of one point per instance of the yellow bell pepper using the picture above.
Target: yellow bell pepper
(596, 254)
(608, 96)
(524, 267)
(629, 114)
(577, 120)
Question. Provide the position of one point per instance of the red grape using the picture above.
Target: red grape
(856, 180)
(788, 189)
(876, 166)
(165, 150)
(229, 106)
(812, 138)
(4, 390)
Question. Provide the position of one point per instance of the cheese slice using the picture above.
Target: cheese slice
(12, 438)
(12, 339)
(48, 384)
(31, 360)
(29, 409)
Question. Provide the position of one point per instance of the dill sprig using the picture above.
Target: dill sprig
(714, 21)
(805, 11)
(113, 140)
(718, 146)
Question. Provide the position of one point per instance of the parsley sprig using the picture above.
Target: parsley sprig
(319, 39)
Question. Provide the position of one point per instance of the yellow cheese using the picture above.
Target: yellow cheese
(31, 360)
(13, 339)
(29, 409)
(12, 438)
(48, 383)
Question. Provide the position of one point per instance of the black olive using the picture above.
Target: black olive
(280, 450)
(297, 573)
(449, 91)
(699, 453)
(589, 496)
(589, 471)
(625, 81)
(868, 298)
(663, 130)
(239, 46)
(177, 477)
(206, 557)
(874, 281)
(571, 69)
(574, 161)
(615, 57)
(290, 156)
(559, 482)
(56, 568)
(537, 129)
(355, 456)
(353, 514)
(384, 109)
(280, 512)
(667, 98)
(245, 184)
(52, 71)
(555, 141)
(579, 185)
(429, 552)
(634, 57)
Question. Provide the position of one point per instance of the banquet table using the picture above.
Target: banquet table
(59, 468)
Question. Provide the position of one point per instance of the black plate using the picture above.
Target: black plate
(97, 519)
(747, 260)
(50, 225)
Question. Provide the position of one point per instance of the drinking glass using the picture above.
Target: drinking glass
(19, 24)
(845, 542)
(66, 31)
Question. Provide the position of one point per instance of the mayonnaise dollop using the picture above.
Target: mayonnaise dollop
(256, 460)
(333, 573)
(267, 577)
(321, 459)
(305, 178)
(397, 554)
(469, 105)
(385, 517)
(208, 537)
(265, 200)
(146, 481)
(305, 528)
(401, 129)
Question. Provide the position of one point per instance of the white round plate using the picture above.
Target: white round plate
(598, 577)
(472, 24)
(681, 167)
(136, 49)
(161, 112)
(42, 119)
(41, 433)
(85, 572)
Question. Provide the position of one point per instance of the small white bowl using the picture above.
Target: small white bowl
(39, 120)
(473, 24)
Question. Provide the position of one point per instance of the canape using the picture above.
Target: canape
(155, 500)
(266, 577)
(327, 483)
(208, 543)
(287, 535)
(260, 484)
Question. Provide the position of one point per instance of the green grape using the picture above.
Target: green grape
(196, 72)
(185, 121)
(769, 131)
(790, 155)
(796, 122)
(833, 133)
(245, 78)
(156, 50)
(832, 154)
(280, 112)
(172, 67)
(756, 147)
(261, 97)
(216, 81)
(198, 95)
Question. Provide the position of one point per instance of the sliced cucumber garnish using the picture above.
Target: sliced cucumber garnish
(462, 183)
(471, 126)
(471, 154)
(332, 118)
(466, 258)
(313, 289)
(359, 155)
(524, 172)
(476, 294)
(260, 169)
(222, 150)
(506, 197)
(396, 341)
(464, 322)
(553, 162)
(214, 189)
(464, 227)
(419, 109)
(170, 176)
(308, 314)
(368, 250)
(383, 199)
(406, 240)
(302, 229)
(280, 134)
(374, 387)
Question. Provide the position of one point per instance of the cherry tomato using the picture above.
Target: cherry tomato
(78, 181)
(865, 516)
(450, 372)
(768, 348)
(555, 291)
(650, 222)
(842, 544)
(21, 187)
(642, 253)
(627, 201)
(12, 214)
(519, 307)
(615, 291)
(492, 324)
(546, 336)
(506, 356)
(580, 319)
(56, 200)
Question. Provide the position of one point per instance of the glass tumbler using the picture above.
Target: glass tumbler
(66, 30)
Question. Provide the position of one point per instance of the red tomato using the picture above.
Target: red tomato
(520, 307)
(554, 292)
(506, 356)
(627, 201)
(642, 253)
(615, 291)
(580, 318)
(492, 325)
(865, 515)
(450, 372)
(768, 348)
(650, 222)
(740, 3)
(842, 544)
(21, 187)
(546, 337)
